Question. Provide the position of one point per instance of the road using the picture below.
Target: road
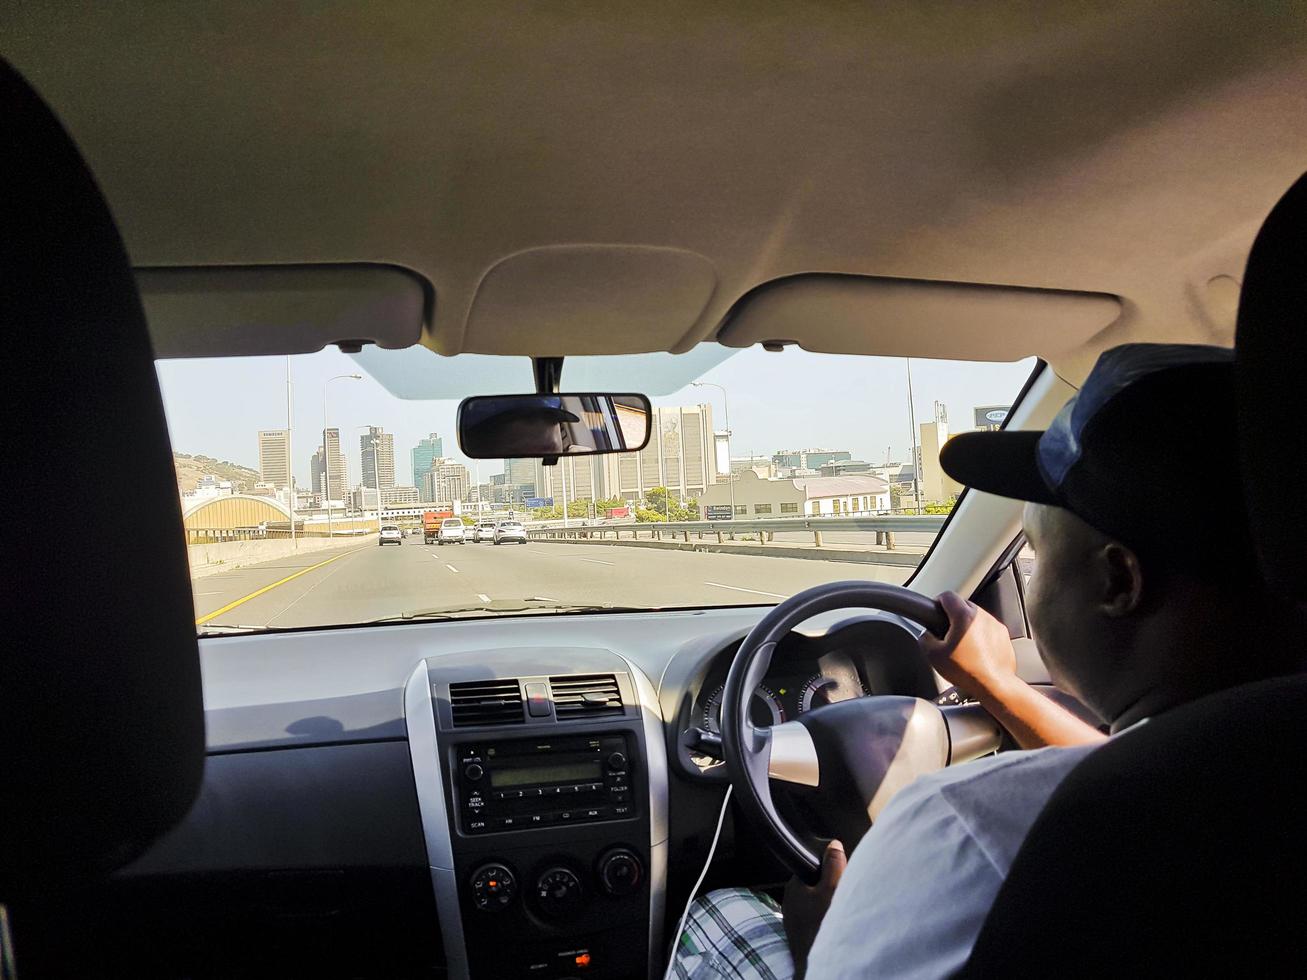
(369, 582)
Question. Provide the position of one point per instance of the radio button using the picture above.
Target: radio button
(566, 789)
(475, 802)
(476, 825)
(621, 811)
(473, 771)
(619, 795)
(617, 761)
(531, 792)
(565, 816)
(594, 813)
(507, 823)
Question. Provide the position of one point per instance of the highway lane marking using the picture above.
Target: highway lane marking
(268, 588)
(483, 597)
(451, 567)
(303, 594)
(596, 561)
(774, 595)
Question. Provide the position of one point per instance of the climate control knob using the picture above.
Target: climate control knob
(620, 872)
(558, 892)
(493, 887)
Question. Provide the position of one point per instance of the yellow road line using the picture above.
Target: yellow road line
(268, 588)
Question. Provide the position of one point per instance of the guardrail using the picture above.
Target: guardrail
(221, 535)
(883, 527)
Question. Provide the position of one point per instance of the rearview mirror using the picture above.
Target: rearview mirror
(513, 426)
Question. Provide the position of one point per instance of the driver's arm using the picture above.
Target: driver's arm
(976, 656)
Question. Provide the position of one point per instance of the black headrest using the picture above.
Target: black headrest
(101, 718)
(1173, 850)
(1270, 358)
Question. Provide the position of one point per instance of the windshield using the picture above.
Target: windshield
(766, 473)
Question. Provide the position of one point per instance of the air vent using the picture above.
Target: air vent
(486, 703)
(586, 696)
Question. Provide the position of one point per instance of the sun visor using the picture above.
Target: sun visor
(570, 300)
(917, 317)
(227, 311)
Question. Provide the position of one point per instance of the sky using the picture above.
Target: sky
(786, 400)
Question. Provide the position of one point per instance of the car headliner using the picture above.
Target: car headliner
(589, 178)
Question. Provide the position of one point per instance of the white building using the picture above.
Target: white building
(757, 496)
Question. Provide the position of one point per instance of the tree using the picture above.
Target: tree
(603, 506)
(659, 499)
(644, 515)
(578, 508)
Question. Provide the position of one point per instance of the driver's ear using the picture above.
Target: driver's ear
(1122, 580)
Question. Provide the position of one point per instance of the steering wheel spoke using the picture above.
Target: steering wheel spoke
(791, 755)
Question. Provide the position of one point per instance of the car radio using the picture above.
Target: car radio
(544, 782)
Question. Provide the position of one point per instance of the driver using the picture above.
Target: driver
(1145, 596)
(526, 427)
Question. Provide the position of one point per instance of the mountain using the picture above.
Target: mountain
(191, 468)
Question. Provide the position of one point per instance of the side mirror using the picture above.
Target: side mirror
(517, 426)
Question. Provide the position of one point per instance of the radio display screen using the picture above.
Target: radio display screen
(580, 771)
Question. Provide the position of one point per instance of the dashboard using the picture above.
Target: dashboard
(353, 810)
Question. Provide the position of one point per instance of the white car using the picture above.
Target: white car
(390, 534)
(510, 531)
(485, 531)
(451, 532)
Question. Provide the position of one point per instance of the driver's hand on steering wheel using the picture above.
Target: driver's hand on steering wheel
(804, 907)
(976, 654)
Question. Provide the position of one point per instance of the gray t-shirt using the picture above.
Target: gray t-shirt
(921, 882)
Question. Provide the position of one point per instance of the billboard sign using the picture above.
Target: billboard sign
(534, 502)
(717, 512)
(990, 416)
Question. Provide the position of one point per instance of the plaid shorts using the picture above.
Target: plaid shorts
(733, 933)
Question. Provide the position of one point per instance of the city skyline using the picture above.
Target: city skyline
(852, 403)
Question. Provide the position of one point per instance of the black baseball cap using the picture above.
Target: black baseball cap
(1146, 452)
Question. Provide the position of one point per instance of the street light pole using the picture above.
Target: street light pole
(326, 455)
(916, 455)
(726, 414)
(290, 457)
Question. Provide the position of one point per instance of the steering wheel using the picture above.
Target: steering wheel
(856, 754)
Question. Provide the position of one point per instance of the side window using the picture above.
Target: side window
(791, 508)
(762, 508)
(741, 510)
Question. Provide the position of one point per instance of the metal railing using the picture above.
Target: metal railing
(884, 528)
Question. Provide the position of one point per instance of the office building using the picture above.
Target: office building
(426, 452)
(335, 465)
(791, 460)
(377, 453)
(759, 497)
(445, 482)
(936, 486)
(844, 467)
(401, 496)
(681, 455)
(318, 470)
(274, 457)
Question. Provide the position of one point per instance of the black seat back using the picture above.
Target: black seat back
(1178, 848)
(101, 718)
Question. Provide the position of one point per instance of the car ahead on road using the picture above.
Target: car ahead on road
(451, 531)
(484, 531)
(390, 534)
(510, 531)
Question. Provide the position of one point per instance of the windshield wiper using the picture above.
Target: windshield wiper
(225, 629)
(531, 604)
